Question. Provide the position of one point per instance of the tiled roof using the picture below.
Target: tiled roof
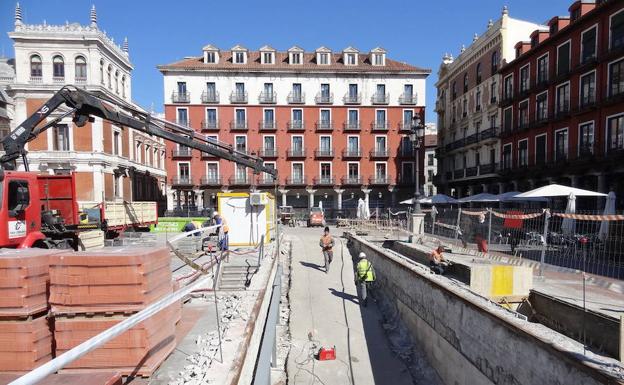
(281, 64)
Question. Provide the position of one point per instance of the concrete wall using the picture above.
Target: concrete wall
(470, 341)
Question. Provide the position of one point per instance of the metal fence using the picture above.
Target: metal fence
(587, 241)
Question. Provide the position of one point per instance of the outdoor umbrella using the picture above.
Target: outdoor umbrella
(557, 190)
(608, 210)
(512, 196)
(437, 199)
(568, 225)
(483, 197)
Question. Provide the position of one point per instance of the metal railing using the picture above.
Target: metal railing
(379, 180)
(185, 153)
(380, 98)
(405, 126)
(324, 181)
(297, 180)
(267, 125)
(266, 180)
(324, 153)
(351, 180)
(352, 125)
(239, 180)
(210, 181)
(296, 153)
(267, 97)
(379, 153)
(407, 99)
(324, 125)
(381, 125)
(352, 99)
(238, 97)
(238, 125)
(269, 153)
(296, 125)
(181, 97)
(324, 99)
(181, 181)
(296, 98)
(352, 153)
(210, 124)
(210, 97)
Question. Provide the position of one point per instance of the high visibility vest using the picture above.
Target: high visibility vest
(365, 271)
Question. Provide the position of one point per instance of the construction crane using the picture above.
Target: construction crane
(42, 210)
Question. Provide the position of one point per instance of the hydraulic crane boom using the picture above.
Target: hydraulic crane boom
(85, 105)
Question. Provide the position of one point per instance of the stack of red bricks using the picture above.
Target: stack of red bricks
(92, 291)
(25, 333)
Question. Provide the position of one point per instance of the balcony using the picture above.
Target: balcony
(182, 122)
(381, 125)
(489, 168)
(181, 153)
(181, 97)
(267, 125)
(472, 171)
(205, 155)
(296, 180)
(296, 98)
(239, 125)
(208, 125)
(490, 133)
(238, 97)
(472, 139)
(352, 125)
(353, 180)
(210, 97)
(210, 180)
(325, 125)
(379, 180)
(324, 153)
(35, 79)
(352, 99)
(458, 174)
(80, 80)
(380, 98)
(405, 126)
(240, 180)
(266, 180)
(379, 153)
(587, 101)
(406, 152)
(296, 153)
(324, 180)
(296, 125)
(352, 153)
(268, 153)
(267, 98)
(58, 79)
(181, 181)
(407, 181)
(324, 99)
(563, 110)
(407, 99)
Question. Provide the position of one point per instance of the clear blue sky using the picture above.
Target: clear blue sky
(160, 32)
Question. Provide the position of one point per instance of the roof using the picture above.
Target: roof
(281, 64)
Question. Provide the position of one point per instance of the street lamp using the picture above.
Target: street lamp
(416, 136)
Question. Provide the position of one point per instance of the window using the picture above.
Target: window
(561, 144)
(454, 90)
(117, 185)
(58, 67)
(353, 119)
(493, 92)
(353, 145)
(380, 171)
(563, 59)
(326, 174)
(138, 153)
(617, 30)
(492, 156)
(477, 158)
(616, 77)
(586, 139)
(408, 115)
(541, 106)
(240, 118)
(297, 172)
(296, 58)
(465, 107)
(465, 82)
(61, 137)
(588, 45)
(507, 119)
(325, 91)
(81, 68)
(524, 78)
(182, 88)
(354, 171)
(325, 118)
(116, 142)
(123, 86)
(211, 91)
(540, 149)
(430, 159)
(269, 144)
(183, 116)
(351, 59)
(269, 118)
(478, 100)
(102, 72)
(523, 114)
(408, 90)
(542, 69)
(267, 57)
(117, 82)
(353, 91)
(380, 119)
(297, 118)
(184, 171)
(211, 57)
(588, 89)
(478, 73)
(325, 144)
(523, 153)
(380, 144)
(495, 60)
(324, 58)
(212, 172)
(507, 158)
(378, 59)
(35, 66)
(211, 118)
(296, 91)
(508, 87)
(240, 143)
(241, 173)
(297, 144)
(239, 57)
(563, 98)
(615, 133)
(493, 120)
(109, 70)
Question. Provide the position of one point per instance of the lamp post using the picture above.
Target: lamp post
(416, 136)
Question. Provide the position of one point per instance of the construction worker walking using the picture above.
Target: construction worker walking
(364, 277)
(327, 244)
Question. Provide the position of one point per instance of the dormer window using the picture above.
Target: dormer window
(296, 58)
(378, 59)
(350, 56)
(324, 58)
(351, 59)
(295, 55)
(211, 57)
(378, 56)
(267, 58)
(239, 55)
(211, 54)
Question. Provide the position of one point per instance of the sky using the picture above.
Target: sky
(160, 32)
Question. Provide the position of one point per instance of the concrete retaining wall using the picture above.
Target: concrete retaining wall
(470, 341)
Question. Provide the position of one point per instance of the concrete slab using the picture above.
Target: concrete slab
(326, 306)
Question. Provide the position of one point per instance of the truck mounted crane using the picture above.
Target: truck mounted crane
(41, 210)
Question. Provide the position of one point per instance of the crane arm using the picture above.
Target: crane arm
(85, 105)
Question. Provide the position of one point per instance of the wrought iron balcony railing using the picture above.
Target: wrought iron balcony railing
(324, 153)
(379, 125)
(296, 98)
(407, 99)
(380, 98)
(238, 125)
(181, 97)
(267, 125)
(211, 124)
(325, 125)
(211, 180)
(296, 125)
(324, 181)
(324, 98)
(267, 97)
(210, 97)
(352, 99)
(238, 97)
(352, 153)
(352, 125)
(181, 181)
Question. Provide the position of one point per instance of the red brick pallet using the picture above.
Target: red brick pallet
(25, 345)
(109, 280)
(24, 281)
(90, 378)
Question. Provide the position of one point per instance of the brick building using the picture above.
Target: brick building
(468, 108)
(333, 124)
(563, 102)
(109, 162)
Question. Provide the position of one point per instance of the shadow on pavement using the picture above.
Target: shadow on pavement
(313, 266)
(343, 295)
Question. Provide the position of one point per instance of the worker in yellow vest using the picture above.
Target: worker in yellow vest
(364, 277)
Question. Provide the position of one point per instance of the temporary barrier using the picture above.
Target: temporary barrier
(247, 223)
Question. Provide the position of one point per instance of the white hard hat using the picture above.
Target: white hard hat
(215, 214)
(362, 255)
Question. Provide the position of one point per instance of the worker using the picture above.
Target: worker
(436, 260)
(224, 235)
(480, 234)
(364, 277)
(327, 244)
(189, 226)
